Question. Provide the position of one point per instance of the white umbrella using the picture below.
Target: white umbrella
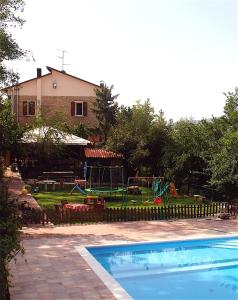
(45, 132)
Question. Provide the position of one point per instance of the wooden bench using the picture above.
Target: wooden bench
(199, 197)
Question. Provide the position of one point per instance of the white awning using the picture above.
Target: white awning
(40, 134)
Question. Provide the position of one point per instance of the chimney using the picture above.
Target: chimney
(38, 72)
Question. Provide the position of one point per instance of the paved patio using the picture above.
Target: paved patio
(52, 269)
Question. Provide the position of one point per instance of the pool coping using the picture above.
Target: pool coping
(111, 283)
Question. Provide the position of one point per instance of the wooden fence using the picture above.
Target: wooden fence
(64, 216)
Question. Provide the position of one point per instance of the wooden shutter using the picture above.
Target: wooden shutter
(72, 108)
(24, 108)
(85, 109)
(34, 108)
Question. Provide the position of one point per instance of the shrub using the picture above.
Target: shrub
(9, 239)
(1, 166)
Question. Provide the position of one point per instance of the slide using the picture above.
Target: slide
(160, 191)
(164, 190)
(79, 189)
(172, 190)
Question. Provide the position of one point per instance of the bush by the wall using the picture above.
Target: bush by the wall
(9, 239)
(1, 166)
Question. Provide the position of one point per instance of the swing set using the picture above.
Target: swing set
(147, 190)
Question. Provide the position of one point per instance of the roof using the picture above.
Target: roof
(50, 69)
(101, 153)
(37, 134)
(63, 72)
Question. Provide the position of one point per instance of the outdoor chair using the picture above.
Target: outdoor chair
(57, 206)
(63, 202)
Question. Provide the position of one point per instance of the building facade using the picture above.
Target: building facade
(55, 92)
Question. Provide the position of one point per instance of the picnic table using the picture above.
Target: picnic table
(77, 207)
(49, 182)
(58, 174)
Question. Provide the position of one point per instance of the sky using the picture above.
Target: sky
(181, 54)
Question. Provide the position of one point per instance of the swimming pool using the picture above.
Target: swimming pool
(193, 269)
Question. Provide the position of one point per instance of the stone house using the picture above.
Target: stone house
(53, 92)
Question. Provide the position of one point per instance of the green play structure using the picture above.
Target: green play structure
(146, 190)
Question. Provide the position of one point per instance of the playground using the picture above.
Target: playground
(50, 198)
(108, 183)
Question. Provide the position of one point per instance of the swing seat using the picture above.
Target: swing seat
(147, 202)
(134, 190)
(133, 201)
(158, 200)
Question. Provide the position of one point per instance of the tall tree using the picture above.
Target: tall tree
(9, 129)
(105, 108)
(224, 161)
(9, 48)
(139, 135)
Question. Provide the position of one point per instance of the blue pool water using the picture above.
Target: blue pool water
(195, 269)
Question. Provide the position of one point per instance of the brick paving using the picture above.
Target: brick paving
(52, 269)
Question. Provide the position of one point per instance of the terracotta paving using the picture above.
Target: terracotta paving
(52, 269)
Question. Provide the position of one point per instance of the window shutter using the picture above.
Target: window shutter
(72, 108)
(34, 108)
(85, 109)
(24, 108)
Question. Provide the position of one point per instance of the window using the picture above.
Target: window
(79, 108)
(29, 108)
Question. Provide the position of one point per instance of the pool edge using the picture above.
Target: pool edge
(115, 288)
(111, 283)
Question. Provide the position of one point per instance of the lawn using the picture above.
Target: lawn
(48, 199)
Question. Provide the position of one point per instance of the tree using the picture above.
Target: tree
(138, 134)
(224, 161)
(231, 110)
(184, 151)
(158, 138)
(79, 129)
(224, 165)
(10, 132)
(105, 109)
(10, 241)
(9, 49)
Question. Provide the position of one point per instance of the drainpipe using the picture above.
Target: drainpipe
(38, 92)
(17, 106)
(15, 101)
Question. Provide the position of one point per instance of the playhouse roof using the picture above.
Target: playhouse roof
(101, 153)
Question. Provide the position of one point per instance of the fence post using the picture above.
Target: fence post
(42, 214)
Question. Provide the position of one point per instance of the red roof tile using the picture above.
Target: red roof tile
(101, 153)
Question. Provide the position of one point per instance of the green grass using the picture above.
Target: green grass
(48, 199)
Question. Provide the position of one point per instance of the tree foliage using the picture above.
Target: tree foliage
(224, 161)
(10, 131)
(9, 48)
(105, 108)
(177, 150)
(9, 239)
(140, 135)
